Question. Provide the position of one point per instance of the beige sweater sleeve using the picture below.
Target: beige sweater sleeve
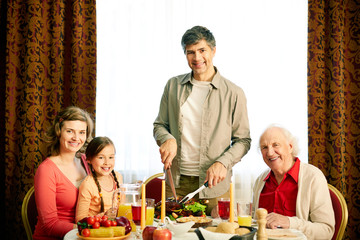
(314, 211)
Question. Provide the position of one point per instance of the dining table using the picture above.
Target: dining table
(72, 235)
(274, 234)
(190, 235)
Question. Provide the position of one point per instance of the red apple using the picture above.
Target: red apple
(148, 232)
(162, 234)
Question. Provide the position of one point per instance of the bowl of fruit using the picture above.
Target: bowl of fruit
(96, 227)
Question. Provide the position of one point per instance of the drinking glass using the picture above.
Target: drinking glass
(150, 211)
(244, 209)
(136, 217)
(224, 208)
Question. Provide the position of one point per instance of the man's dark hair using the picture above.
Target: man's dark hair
(196, 34)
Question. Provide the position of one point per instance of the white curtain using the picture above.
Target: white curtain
(261, 46)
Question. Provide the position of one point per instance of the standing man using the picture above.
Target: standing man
(202, 127)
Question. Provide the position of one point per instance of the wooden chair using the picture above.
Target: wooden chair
(153, 187)
(341, 212)
(29, 213)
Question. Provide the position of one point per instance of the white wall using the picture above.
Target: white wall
(261, 46)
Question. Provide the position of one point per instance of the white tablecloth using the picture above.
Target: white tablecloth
(187, 236)
(191, 235)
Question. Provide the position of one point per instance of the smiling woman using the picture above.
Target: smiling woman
(58, 177)
(260, 46)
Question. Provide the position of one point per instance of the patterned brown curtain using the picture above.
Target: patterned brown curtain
(48, 62)
(334, 98)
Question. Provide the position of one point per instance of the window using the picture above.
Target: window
(261, 46)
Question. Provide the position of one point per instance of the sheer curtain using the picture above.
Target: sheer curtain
(261, 46)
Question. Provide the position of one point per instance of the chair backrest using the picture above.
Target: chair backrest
(29, 212)
(153, 189)
(341, 212)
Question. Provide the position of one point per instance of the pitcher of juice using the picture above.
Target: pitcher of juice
(123, 197)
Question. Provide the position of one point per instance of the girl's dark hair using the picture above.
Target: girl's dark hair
(94, 148)
(71, 113)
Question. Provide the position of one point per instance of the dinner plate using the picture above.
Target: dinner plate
(288, 234)
(110, 238)
(198, 221)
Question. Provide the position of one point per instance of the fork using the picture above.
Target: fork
(191, 195)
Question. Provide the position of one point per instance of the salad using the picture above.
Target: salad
(175, 210)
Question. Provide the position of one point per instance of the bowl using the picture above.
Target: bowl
(248, 236)
(178, 229)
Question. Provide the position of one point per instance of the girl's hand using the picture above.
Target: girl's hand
(111, 213)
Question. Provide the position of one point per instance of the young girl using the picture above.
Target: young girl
(96, 191)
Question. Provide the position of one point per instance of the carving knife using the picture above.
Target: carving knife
(171, 181)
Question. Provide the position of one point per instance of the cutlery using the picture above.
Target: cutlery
(171, 181)
(191, 195)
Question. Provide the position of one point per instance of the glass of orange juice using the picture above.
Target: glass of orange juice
(150, 211)
(244, 213)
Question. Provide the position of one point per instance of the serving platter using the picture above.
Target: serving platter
(198, 221)
(110, 238)
(288, 234)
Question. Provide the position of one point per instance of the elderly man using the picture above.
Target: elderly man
(202, 127)
(295, 194)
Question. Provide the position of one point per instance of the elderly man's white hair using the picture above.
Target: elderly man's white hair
(289, 137)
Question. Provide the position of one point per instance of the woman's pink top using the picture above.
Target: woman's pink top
(56, 198)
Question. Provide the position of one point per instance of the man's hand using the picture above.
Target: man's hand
(275, 220)
(215, 174)
(168, 151)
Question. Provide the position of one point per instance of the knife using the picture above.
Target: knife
(171, 181)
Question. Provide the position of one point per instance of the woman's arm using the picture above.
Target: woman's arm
(45, 195)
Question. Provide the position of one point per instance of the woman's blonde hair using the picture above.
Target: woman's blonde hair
(71, 113)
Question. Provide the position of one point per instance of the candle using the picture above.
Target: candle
(143, 207)
(163, 202)
(231, 216)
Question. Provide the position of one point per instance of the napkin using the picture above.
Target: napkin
(215, 236)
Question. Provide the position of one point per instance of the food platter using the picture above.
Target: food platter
(174, 209)
(199, 221)
(277, 234)
(110, 238)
